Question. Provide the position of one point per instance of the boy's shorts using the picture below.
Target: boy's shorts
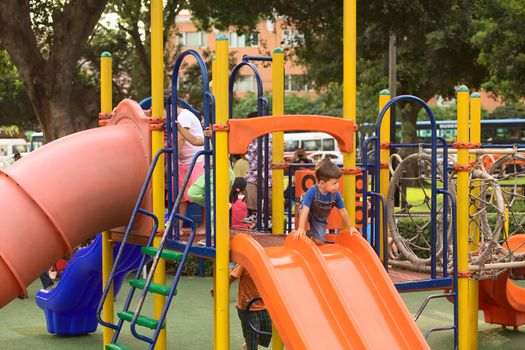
(261, 321)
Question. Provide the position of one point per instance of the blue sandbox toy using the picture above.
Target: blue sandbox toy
(71, 307)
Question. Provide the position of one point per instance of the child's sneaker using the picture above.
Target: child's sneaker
(250, 218)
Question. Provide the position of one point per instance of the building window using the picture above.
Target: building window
(292, 37)
(297, 82)
(192, 39)
(245, 83)
(235, 40)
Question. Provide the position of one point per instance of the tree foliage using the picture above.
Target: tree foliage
(327, 103)
(500, 36)
(513, 111)
(434, 49)
(45, 40)
(15, 107)
(56, 44)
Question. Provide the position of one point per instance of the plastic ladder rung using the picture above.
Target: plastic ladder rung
(141, 320)
(153, 287)
(116, 347)
(165, 254)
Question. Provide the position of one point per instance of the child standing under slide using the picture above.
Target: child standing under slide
(259, 316)
(318, 201)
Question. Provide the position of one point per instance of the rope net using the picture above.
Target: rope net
(496, 207)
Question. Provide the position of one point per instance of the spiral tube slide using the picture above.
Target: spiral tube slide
(67, 191)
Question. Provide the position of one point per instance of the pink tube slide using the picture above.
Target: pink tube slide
(66, 192)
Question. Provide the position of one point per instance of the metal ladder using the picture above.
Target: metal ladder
(146, 285)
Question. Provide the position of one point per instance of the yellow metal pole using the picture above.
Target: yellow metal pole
(222, 218)
(463, 219)
(384, 156)
(277, 142)
(213, 91)
(106, 106)
(157, 143)
(349, 99)
(475, 137)
(277, 157)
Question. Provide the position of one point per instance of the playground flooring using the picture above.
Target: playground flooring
(190, 323)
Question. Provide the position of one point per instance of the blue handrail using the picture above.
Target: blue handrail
(364, 159)
(262, 109)
(160, 248)
(208, 101)
(136, 211)
(433, 200)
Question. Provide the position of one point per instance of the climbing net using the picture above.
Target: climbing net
(495, 242)
(409, 223)
(509, 241)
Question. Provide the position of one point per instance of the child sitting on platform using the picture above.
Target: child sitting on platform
(318, 201)
(239, 207)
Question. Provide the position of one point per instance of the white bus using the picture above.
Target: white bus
(310, 142)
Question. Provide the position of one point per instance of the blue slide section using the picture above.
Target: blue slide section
(70, 308)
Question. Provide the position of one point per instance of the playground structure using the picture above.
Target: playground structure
(348, 286)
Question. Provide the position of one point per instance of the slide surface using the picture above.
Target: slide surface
(329, 297)
(62, 194)
(502, 300)
(71, 307)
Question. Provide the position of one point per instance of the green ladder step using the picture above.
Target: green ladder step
(116, 347)
(153, 287)
(141, 320)
(165, 254)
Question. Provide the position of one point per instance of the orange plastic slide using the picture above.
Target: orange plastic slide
(67, 191)
(503, 301)
(334, 296)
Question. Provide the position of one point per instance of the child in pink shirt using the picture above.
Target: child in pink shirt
(186, 151)
(239, 207)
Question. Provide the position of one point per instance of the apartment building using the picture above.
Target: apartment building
(267, 35)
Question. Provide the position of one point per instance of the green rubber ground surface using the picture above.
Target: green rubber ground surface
(190, 324)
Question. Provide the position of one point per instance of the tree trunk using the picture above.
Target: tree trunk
(61, 106)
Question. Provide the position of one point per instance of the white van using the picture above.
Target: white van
(9, 147)
(310, 142)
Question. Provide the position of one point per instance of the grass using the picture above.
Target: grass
(190, 323)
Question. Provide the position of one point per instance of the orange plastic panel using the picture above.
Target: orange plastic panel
(243, 131)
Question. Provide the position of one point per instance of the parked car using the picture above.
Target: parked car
(336, 157)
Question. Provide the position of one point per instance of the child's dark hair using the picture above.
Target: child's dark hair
(238, 187)
(326, 170)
